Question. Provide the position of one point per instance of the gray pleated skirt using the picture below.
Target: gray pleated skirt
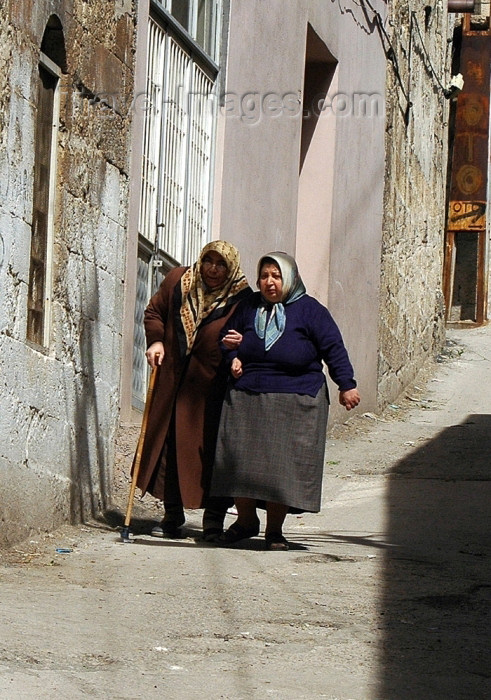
(271, 448)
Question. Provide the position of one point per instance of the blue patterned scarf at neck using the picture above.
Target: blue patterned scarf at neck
(270, 328)
(270, 320)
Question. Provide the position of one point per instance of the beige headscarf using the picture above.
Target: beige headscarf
(198, 301)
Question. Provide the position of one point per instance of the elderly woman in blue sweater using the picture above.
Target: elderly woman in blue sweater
(270, 449)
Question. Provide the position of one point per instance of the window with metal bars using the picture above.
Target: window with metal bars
(177, 147)
(199, 18)
(178, 135)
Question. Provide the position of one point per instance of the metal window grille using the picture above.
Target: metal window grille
(175, 134)
(199, 156)
(174, 221)
(198, 17)
(178, 131)
(151, 132)
(139, 345)
(148, 281)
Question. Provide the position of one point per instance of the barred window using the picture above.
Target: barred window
(178, 137)
(199, 18)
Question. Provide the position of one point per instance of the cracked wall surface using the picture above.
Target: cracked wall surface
(59, 404)
(411, 328)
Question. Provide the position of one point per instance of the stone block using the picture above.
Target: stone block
(39, 503)
(124, 40)
(59, 408)
(112, 187)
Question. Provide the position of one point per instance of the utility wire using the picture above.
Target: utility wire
(428, 60)
(390, 52)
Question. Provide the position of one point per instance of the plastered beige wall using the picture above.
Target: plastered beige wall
(330, 216)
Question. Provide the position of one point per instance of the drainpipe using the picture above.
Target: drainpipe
(461, 5)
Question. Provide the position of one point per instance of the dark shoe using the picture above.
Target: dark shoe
(237, 532)
(212, 534)
(213, 524)
(275, 542)
(169, 527)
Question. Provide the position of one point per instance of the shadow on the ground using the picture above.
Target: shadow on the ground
(140, 524)
(435, 608)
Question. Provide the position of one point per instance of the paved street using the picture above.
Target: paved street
(384, 595)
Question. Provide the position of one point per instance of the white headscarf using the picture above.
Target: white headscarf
(293, 288)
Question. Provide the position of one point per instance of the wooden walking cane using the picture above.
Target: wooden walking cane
(125, 532)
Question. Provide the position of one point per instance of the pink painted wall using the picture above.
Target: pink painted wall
(328, 215)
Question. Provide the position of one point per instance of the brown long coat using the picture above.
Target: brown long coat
(194, 386)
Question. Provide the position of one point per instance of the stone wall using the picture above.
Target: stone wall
(411, 303)
(59, 405)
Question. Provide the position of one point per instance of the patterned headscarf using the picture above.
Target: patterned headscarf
(198, 301)
(293, 288)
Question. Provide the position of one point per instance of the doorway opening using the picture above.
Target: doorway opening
(316, 164)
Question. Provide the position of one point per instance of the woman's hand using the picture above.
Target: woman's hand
(232, 340)
(350, 398)
(152, 352)
(236, 368)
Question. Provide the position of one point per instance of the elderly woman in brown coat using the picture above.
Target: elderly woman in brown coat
(183, 321)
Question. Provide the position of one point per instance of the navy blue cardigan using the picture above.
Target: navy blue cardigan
(293, 365)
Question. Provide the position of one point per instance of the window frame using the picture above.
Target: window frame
(152, 194)
(53, 69)
(151, 239)
(165, 15)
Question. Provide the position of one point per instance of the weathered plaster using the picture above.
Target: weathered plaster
(59, 405)
(411, 301)
(330, 215)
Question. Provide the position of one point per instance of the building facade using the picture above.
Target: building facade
(66, 77)
(295, 102)
(329, 140)
(466, 270)
(411, 327)
(132, 133)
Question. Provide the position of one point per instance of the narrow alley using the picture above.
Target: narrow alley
(384, 595)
